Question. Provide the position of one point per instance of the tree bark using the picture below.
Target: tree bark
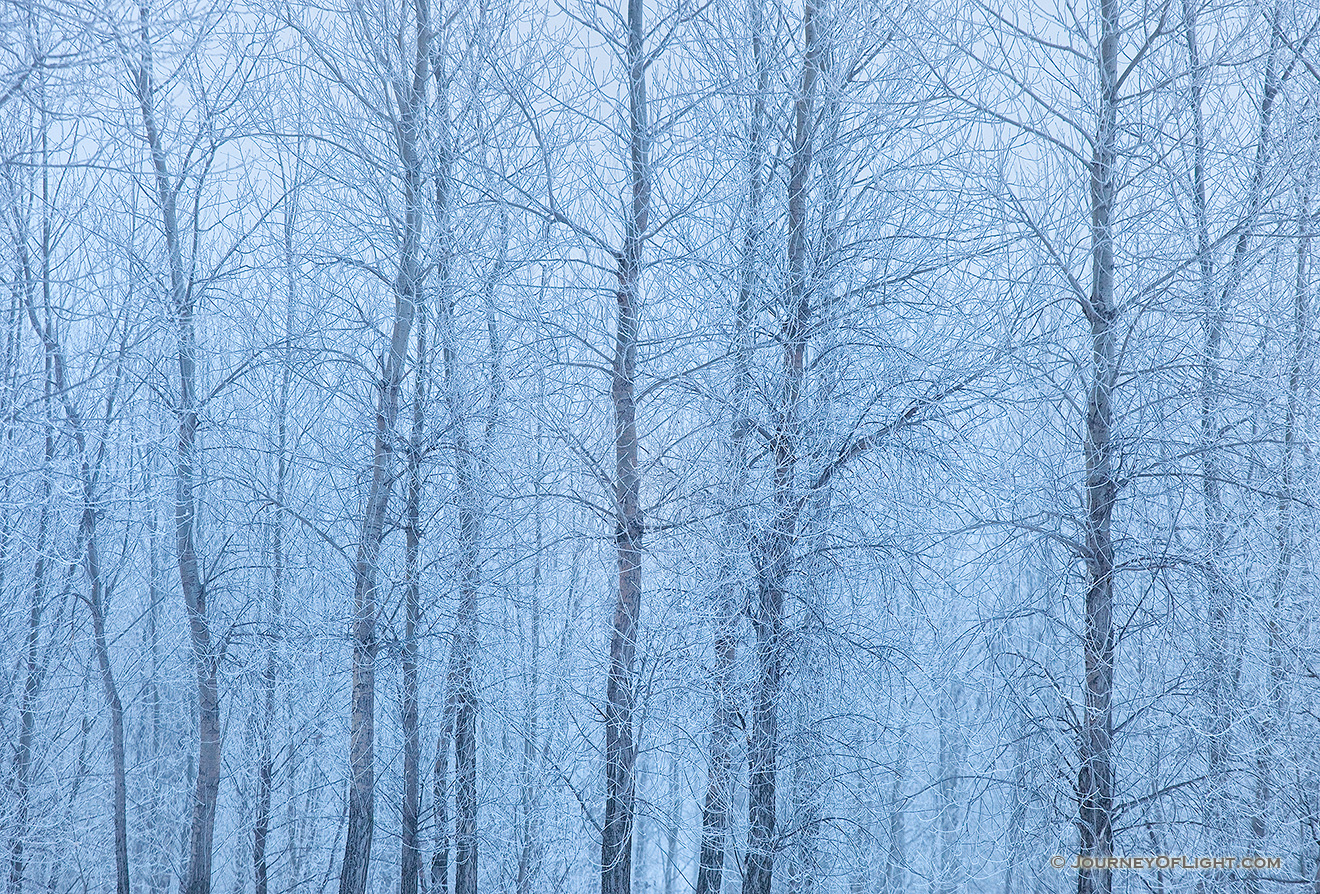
(620, 694)
(92, 564)
(440, 794)
(895, 878)
(528, 819)
(465, 632)
(675, 817)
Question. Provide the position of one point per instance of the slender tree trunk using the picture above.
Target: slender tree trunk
(89, 474)
(410, 858)
(118, 760)
(1218, 696)
(440, 794)
(408, 292)
(729, 588)
(1020, 794)
(13, 342)
(723, 744)
(621, 685)
(951, 741)
(529, 852)
(465, 640)
(528, 844)
(159, 846)
(675, 818)
(461, 702)
(21, 784)
(89, 470)
(13, 339)
(471, 469)
(774, 555)
(1095, 780)
(193, 586)
(270, 674)
(895, 880)
(1216, 298)
(1275, 716)
(805, 801)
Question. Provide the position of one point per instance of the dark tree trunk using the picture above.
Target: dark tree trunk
(774, 553)
(620, 690)
(1095, 780)
(117, 755)
(410, 857)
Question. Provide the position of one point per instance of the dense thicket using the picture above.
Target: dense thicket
(657, 446)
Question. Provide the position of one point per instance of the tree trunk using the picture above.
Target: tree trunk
(729, 594)
(88, 538)
(1095, 781)
(895, 880)
(440, 794)
(1221, 693)
(159, 846)
(465, 633)
(408, 291)
(191, 582)
(1276, 708)
(620, 690)
(469, 466)
(675, 818)
(21, 784)
(527, 826)
(774, 555)
(269, 677)
(951, 743)
(118, 760)
(410, 858)
(529, 852)
(1218, 695)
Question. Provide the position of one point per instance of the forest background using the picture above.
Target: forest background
(676, 445)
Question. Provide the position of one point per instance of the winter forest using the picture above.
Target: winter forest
(659, 446)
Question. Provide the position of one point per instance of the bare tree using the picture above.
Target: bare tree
(185, 287)
(279, 557)
(729, 598)
(400, 110)
(410, 95)
(773, 553)
(621, 686)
